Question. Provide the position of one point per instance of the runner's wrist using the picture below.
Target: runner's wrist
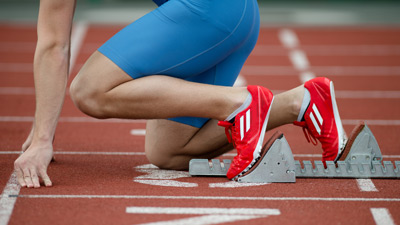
(43, 140)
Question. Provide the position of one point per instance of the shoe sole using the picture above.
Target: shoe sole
(264, 151)
(257, 151)
(338, 122)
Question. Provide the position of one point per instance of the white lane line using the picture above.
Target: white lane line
(260, 198)
(17, 91)
(331, 50)
(79, 153)
(142, 153)
(10, 47)
(348, 71)
(372, 122)
(77, 37)
(366, 185)
(16, 67)
(201, 211)
(306, 75)
(93, 120)
(367, 94)
(253, 70)
(69, 120)
(382, 216)
(6, 202)
(321, 50)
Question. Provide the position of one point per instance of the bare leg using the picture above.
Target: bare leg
(171, 145)
(103, 90)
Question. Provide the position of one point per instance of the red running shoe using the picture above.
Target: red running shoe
(248, 130)
(322, 120)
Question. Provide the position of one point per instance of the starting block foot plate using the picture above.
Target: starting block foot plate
(276, 164)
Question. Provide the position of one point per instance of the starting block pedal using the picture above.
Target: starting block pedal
(361, 158)
(276, 164)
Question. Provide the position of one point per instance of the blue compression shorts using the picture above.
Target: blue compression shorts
(203, 41)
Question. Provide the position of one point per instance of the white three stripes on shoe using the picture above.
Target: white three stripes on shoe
(242, 132)
(319, 117)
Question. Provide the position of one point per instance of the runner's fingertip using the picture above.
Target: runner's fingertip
(47, 182)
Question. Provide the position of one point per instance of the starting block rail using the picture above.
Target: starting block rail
(361, 158)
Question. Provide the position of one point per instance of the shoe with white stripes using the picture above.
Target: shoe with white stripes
(248, 130)
(322, 120)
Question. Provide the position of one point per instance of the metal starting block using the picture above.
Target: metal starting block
(361, 158)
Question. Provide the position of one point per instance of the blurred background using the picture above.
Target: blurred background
(273, 12)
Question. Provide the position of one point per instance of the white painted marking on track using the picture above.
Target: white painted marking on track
(366, 185)
(348, 71)
(17, 91)
(207, 220)
(234, 184)
(331, 50)
(372, 122)
(299, 60)
(240, 81)
(138, 132)
(210, 215)
(201, 211)
(142, 154)
(158, 177)
(69, 120)
(382, 216)
(288, 38)
(16, 67)
(78, 35)
(367, 94)
(298, 57)
(306, 76)
(167, 183)
(6, 202)
(228, 198)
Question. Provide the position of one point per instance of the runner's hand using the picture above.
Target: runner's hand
(33, 164)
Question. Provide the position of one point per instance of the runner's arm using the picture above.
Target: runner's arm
(51, 69)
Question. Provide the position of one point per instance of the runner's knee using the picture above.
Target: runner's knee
(87, 98)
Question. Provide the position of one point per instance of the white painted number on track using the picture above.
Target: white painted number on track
(209, 215)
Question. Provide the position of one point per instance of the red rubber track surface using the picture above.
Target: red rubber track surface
(101, 170)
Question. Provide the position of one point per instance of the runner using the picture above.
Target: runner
(174, 66)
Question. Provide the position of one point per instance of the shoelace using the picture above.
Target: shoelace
(233, 137)
(309, 136)
(228, 126)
